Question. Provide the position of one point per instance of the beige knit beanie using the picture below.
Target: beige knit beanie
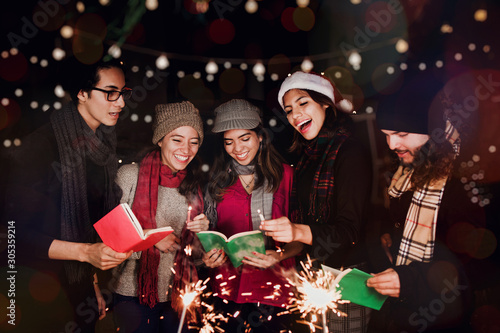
(170, 116)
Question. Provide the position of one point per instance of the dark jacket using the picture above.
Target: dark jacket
(435, 296)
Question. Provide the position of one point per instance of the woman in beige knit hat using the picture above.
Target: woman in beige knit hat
(163, 190)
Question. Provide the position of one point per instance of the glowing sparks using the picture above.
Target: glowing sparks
(188, 250)
(316, 294)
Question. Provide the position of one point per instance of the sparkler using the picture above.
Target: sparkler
(189, 213)
(260, 215)
(316, 293)
(189, 295)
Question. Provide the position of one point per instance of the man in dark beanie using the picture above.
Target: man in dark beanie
(427, 278)
(61, 182)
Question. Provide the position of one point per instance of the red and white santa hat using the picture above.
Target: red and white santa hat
(318, 83)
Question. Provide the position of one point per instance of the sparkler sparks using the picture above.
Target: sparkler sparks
(316, 294)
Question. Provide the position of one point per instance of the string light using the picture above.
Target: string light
(58, 54)
(481, 15)
(162, 62)
(251, 6)
(259, 69)
(355, 60)
(211, 67)
(66, 32)
(402, 46)
(302, 3)
(307, 65)
(115, 51)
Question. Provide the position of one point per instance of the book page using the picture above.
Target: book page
(242, 234)
(133, 219)
(211, 240)
(153, 231)
(244, 245)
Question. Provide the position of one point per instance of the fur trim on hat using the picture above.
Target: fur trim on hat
(318, 83)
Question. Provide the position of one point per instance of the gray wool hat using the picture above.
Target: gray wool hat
(236, 114)
(170, 116)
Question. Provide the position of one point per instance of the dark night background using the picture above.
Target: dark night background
(444, 38)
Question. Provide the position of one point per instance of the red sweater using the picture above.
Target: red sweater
(248, 284)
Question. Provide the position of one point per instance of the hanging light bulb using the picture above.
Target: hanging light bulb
(66, 31)
(58, 54)
(402, 46)
(211, 67)
(162, 62)
(115, 51)
(259, 69)
(355, 60)
(251, 6)
(151, 4)
(307, 65)
(302, 3)
(481, 15)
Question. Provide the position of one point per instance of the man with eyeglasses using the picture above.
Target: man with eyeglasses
(61, 183)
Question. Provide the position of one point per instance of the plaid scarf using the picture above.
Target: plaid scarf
(323, 180)
(419, 232)
(151, 174)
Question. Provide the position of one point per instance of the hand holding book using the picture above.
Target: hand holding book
(121, 231)
(352, 284)
(237, 247)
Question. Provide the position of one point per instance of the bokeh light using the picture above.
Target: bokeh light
(279, 64)
(13, 67)
(66, 32)
(232, 81)
(221, 31)
(90, 31)
(304, 18)
(44, 287)
(481, 15)
(287, 19)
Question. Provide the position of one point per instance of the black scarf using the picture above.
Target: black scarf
(76, 142)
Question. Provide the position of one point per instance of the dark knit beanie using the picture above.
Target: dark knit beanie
(170, 116)
(409, 108)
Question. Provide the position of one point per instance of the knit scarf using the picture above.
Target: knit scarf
(76, 143)
(152, 173)
(323, 181)
(419, 232)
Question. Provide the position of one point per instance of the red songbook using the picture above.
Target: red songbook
(121, 231)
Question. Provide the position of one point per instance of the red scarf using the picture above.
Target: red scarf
(151, 174)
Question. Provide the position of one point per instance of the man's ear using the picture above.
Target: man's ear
(82, 96)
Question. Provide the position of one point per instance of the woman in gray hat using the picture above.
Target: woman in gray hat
(161, 190)
(249, 180)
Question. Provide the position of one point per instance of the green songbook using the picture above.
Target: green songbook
(352, 285)
(236, 247)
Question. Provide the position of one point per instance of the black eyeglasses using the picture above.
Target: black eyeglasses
(113, 95)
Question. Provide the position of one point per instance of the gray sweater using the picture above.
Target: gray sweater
(171, 211)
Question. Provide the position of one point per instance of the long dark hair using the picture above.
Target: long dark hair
(333, 120)
(432, 161)
(267, 167)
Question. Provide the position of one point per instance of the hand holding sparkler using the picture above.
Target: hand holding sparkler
(282, 230)
(199, 223)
